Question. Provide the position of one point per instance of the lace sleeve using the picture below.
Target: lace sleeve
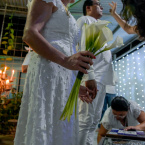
(47, 1)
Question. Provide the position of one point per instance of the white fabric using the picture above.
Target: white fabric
(111, 89)
(47, 88)
(102, 67)
(109, 121)
(89, 116)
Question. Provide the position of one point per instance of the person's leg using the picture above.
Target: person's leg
(97, 113)
(110, 98)
(105, 106)
(104, 109)
(86, 113)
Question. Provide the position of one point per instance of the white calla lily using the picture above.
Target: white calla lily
(96, 36)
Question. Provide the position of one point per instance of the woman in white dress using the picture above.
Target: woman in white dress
(52, 33)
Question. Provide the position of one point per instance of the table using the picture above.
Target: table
(119, 141)
(120, 133)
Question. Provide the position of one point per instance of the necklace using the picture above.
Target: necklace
(66, 9)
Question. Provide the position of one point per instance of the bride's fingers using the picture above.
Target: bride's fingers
(83, 70)
(88, 53)
(86, 59)
(84, 65)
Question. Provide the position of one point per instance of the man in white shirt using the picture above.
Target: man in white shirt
(110, 94)
(99, 75)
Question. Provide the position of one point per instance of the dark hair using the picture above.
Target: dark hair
(136, 9)
(87, 3)
(119, 103)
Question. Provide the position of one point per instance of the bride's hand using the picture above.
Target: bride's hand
(113, 8)
(79, 61)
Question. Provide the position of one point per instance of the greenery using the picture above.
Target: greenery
(8, 37)
(9, 110)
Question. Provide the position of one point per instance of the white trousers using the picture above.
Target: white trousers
(89, 116)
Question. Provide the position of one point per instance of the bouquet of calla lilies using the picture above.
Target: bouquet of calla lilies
(96, 36)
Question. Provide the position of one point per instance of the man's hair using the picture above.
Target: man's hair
(87, 3)
(119, 103)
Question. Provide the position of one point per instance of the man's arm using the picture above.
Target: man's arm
(102, 132)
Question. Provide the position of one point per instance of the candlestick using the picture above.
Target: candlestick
(11, 79)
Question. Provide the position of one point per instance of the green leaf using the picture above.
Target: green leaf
(4, 42)
(5, 52)
(10, 47)
(7, 28)
(10, 41)
(4, 37)
(12, 36)
(6, 34)
(10, 24)
(12, 31)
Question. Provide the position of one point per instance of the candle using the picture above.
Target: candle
(5, 69)
(0, 73)
(11, 79)
(7, 82)
(8, 86)
(3, 75)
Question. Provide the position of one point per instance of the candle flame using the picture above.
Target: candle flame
(7, 81)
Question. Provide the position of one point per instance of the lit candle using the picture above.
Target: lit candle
(3, 75)
(8, 86)
(11, 79)
(5, 69)
(7, 82)
(0, 73)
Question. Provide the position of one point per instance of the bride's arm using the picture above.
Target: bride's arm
(39, 13)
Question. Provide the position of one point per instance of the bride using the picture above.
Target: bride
(52, 33)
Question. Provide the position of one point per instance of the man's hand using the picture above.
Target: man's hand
(84, 94)
(92, 85)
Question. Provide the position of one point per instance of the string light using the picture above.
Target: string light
(131, 73)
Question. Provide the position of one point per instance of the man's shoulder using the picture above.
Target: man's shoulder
(87, 19)
(82, 18)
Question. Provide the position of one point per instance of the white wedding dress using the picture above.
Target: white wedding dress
(47, 88)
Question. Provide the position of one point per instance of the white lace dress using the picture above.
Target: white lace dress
(47, 88)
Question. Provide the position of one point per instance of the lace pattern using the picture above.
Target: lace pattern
(47, 89)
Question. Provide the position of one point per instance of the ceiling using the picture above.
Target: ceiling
(76, 10)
